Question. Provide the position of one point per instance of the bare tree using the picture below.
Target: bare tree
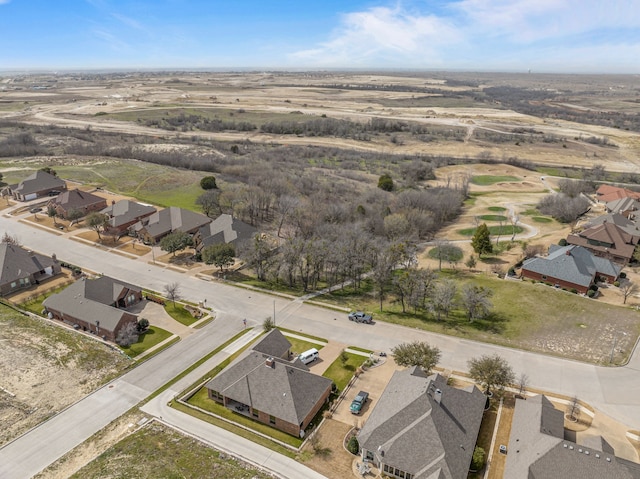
(515, 219)
(127, 335)
(10, 239)
(573, 409)
(523, 381)
(442, 301)
(173, 292)
(285, 205)
(96, 221)
(627, 289)
(209, 201)
(475, 300)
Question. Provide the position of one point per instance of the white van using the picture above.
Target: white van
(309, 356)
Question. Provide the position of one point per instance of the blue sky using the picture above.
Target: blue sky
(601, 36)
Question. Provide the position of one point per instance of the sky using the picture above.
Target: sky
(573, 36)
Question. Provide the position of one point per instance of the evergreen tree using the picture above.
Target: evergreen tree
(481, 241)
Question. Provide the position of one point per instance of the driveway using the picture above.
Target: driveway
(157, 316)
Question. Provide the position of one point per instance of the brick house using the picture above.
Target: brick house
(422, 428)
(95, 305)
(36, 185)
(20, 268)
(538, 448)
(264, 384)
(571, 267)
(158, 225)
(124, 214)
(76, 200)
(607, 240)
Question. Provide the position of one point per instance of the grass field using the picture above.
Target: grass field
(146, 341)
(179, 313)
(494, 230)
(158, 451)
(496, 208)
(342, 374)
(493, 217)
(486, 180)
(527, 316)
(542, 219)
(299, 346)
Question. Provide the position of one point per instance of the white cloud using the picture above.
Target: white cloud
(476, 33)
(382, 32)
(128, 21)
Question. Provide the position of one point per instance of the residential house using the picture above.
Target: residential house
(224, 229)
(20, 268)
(36, 185)
(263, 384)
(95, 305)
(571, 267)
(538, 450)
(607, 240)
(124, 214)
(422, 428)
(158, 225)
(608, 193)
(626, 207)
(622, 222)
(76, 200)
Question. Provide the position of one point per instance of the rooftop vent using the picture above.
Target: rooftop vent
(438, 396)
(270, 363)
(608, 459)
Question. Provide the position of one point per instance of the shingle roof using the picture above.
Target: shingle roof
(606, 238)
(39, 181)
(623, 204)
(273, 344)
(573, 264)
(16, 263)
(125, 211)
(226, 229)
(537, 449)
(619, 220)
(410, 430)
(89, 300)
(76, 199)
(282, 390)
(174, 219)
(608, 193)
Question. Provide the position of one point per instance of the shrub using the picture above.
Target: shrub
(512, 271)
(208, 183)
(591, 293)
(616, 283)
(623, 275)
(562, 242)
(352, 446)
(477, 462)
(574, 290)
(385, 182)
(593, 287)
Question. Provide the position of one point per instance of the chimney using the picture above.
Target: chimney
(270, 363)
(438, 396)
(568, 252)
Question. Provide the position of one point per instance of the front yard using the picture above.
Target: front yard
(146, 341)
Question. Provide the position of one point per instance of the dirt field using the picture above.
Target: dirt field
(61, 365)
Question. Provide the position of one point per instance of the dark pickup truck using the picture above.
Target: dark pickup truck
(358, 402)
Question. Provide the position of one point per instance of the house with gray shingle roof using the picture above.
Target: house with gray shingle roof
(538, 450)
(224, 229)
(571, 267)
(20, 268)
(627, 207)
(622, 222)
(607, 240)
(37, 185)
(76, 200)
(158, 225)
(263, 384)
(421, 428)
(125, 213)
(96, 305)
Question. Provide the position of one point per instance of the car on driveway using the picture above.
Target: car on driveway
(360, 317)
(35, 210)
(358, 402)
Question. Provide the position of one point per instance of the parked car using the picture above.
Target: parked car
(360, 317)
(358, 402)
(35, 210)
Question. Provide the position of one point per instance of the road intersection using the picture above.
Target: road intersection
(614, 391)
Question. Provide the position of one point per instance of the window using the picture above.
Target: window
(255, 412)
(544, 276)
(14, 284)
(272, 419)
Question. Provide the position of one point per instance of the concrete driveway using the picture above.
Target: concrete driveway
(157, 316)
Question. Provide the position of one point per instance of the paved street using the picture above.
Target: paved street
(615, 391)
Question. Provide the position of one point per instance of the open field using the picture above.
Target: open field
(44, 368)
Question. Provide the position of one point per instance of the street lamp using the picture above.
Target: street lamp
(274, 312)
(615, 342)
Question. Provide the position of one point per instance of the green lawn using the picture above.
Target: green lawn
(179, 313)
(300, 346)
(494, 230)
(541, 219)
(153, 336)
(493, 217)
(341, 374)
(159, 451)
(485, 180)
(201, 400)
(496, 208)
